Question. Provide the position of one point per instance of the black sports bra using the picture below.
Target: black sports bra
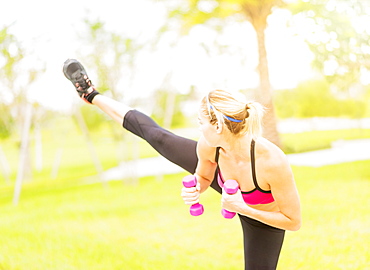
(255, 196)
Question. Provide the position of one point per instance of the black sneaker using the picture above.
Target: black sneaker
(76, 73)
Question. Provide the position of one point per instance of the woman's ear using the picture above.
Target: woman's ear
(218, 128)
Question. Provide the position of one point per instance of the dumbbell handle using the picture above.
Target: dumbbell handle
(191, 181)
(230, 187)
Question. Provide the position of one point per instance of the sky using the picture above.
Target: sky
(51, 30)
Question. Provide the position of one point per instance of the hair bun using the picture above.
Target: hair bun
(246, 110)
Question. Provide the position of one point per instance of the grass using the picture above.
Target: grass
(335, 212)
(315, 140)
(147, 226)
(73, 222)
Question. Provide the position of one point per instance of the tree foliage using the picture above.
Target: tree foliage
(111, 55)
(337, 32)
(106, 56)
(159, 113)
(11, 53)
(214, 14)
(315, 99)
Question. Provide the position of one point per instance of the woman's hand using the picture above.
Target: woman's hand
(233, 202)
(191, 195)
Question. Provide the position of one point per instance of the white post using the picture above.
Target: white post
(5, 168)
(56, 163)
(38, 147)
(23, 153)
(94, 155)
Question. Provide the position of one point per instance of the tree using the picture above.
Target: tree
(303, 102)
(338, 35)
(10, 53)
(256, 12)
(344, 47)
(111, 56)
(15, 80)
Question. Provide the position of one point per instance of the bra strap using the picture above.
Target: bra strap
(253, 164)
(217, 154)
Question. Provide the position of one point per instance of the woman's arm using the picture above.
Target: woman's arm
(285, 193)
(204, 173)
(206, 166)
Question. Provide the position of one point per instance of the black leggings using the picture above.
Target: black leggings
(262, 243)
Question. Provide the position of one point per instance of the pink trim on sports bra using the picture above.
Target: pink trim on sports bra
(255, 196)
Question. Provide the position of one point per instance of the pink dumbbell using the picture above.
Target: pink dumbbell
(230, 187)
(191, 181)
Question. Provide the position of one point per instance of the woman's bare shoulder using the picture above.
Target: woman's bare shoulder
(271, 153)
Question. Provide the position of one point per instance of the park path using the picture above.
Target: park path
(341, 151)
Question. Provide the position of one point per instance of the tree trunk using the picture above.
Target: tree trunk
(23, 153)
(257, 13)
(4, 165)
(170, 108)
(38, 147)
(265, 93)
(90, 145)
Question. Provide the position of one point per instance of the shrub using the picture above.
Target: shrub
(314, 99)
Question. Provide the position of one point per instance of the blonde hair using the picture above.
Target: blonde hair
(239, 117)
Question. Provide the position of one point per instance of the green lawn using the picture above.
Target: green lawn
(315, 140)
(73, 222)
(80, 226)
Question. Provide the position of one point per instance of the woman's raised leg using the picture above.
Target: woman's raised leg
(179, 150)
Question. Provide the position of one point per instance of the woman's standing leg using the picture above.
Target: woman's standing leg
(262, 244)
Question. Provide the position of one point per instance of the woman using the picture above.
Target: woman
(267, 201)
